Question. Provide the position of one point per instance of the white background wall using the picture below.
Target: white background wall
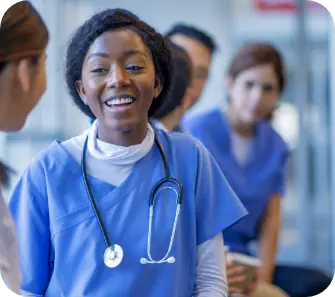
(228, 21)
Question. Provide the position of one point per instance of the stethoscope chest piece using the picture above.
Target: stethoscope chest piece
(113, 256)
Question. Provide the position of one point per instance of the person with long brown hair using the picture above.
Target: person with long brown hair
(254, 80)
(23, 40)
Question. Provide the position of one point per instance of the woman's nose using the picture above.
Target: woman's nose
(118, 77)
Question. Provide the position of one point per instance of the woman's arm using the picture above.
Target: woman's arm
(268, 242)
(210, 279)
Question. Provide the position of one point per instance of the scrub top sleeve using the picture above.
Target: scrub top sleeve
(217, 206)
(281, 177)
(29, 212)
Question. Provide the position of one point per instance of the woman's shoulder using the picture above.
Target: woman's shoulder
(56, 155)
(186, 144)
(46, 157)
(52, 165)
(273, 137)
(203, 119)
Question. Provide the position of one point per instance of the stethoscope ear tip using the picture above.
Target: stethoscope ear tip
(171, 260)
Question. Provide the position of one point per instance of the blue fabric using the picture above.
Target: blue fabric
(61, 246)
(255, 182)
(301, 281)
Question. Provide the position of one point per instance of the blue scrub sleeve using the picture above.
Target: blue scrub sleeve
(217, 206)
(281, 177)
(30, 214)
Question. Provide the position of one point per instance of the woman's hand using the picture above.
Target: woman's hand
(252, 286)
(235, 276)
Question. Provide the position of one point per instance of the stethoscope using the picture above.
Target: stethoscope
(113, 255)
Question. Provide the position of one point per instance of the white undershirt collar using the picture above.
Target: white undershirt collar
(118, 155)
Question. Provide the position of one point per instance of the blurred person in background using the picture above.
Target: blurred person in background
(253, 158)
(200, 47)
(169, 115)
(23, 40)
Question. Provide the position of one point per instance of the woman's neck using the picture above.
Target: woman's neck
(123, 138)
(242, 129)
(172, 119)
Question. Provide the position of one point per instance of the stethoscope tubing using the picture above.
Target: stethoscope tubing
(154, 191)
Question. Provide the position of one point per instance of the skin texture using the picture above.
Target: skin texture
(118, 63)
(22, 84)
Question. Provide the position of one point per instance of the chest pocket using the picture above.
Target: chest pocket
(72, 206)
(71, 219)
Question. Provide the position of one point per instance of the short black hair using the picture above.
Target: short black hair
(107, 20)
(193, 33)
(2, 66)
(3, 175)
(181, 80)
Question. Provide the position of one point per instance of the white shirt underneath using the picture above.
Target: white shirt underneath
(241, 147)
(113, 164)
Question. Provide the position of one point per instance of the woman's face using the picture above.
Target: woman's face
(24, 83)
(118, 80)
(254, 93)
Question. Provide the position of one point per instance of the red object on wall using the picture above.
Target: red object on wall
(283, 5)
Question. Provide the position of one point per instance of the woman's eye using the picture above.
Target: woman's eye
(134, 68)
(99, 70)
(268, 88)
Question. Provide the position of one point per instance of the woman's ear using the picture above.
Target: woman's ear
(81, 91)
(158, 87)
(24, 73)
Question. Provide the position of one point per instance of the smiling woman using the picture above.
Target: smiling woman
(133, 51)
(118, 85)
(91, 216)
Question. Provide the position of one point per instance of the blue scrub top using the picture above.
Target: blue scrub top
(255, 182)
(61, 245)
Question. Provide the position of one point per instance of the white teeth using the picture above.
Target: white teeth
(119, 101)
